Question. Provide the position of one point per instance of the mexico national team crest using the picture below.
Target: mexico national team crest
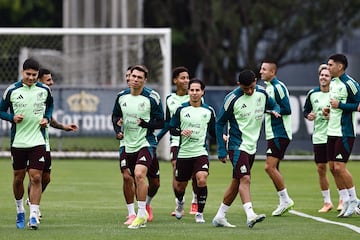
(141, 106)
(40, 96)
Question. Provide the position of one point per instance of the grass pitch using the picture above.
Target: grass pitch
(85, 201)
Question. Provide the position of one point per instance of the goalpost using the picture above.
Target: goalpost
(95, 58)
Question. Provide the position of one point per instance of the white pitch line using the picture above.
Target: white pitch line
(352, 227)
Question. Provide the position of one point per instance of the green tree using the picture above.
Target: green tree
(226, 36)
(30, 13)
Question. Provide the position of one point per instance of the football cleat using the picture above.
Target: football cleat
(222, 222)
(340, 206)
(33, 224)
(344, 208)
(351, 208)
(149, 211)
(138, 223)
(20, 220)
(193, 208)
(179, 210)
(257, 218)
(199, 218)
(130, 219)
(326, 208)
(283, 208)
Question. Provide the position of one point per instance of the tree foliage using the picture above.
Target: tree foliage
(222, 37)
(25, 13)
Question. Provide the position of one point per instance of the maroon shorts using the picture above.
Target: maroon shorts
(47, 167)
(320, 153)
(174, 152)
(122, 159)
(186, 168)
(242, 163)
(145, 156)
(276, 147)
(31, 158)
(339, 148)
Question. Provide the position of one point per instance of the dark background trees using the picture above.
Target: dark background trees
(28, 13)
(216, 39)
(222, 37)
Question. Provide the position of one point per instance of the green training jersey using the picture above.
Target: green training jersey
(342, 119)
(244, 115)
(35, 103)
(173, 101)
(315, 101)
(131, 108)
(278, 127)
(200, 120)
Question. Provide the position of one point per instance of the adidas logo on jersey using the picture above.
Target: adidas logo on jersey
(187, 115)
(20, 97)
(243, 106)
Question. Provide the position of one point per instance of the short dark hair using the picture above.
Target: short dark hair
(197, 80)
(270, 60)
(246, 77)
(43, 71)
(140, 68)
(339, 58)
(31, 63)
(176, 71)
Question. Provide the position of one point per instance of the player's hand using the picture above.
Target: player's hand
(120, 135)
(44, 123)
(274, 113)
(223, 160)
(311, 116)
(326, 112)
(71, 127)
(120, 122)
(225, 138)
(334, 103)
(18, 118)
(186, 132)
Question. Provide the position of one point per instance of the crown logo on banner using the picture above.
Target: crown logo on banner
(83, 102)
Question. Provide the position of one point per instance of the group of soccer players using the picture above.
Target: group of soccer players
(138, 112)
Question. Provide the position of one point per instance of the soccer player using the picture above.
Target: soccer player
(316, 99)
(128, 179)
(278, 133)
(344, 102)
(45, 77)
(243, 113)
(180, 78)
(31, 105)
(140, 112)
(192, 121)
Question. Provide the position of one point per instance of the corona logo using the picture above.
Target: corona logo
(83, 102)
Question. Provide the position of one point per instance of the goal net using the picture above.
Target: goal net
(89, 58)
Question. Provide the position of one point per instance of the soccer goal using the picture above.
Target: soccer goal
(90, 58)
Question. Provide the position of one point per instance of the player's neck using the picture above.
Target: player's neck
(195, 103)
(136, 91)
